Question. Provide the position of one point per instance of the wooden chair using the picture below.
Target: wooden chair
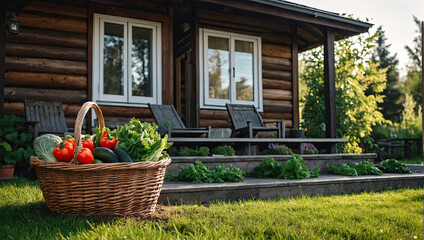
(247, 122)
(45, 117)
(169, 122)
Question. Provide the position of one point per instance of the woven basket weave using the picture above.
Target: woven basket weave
(100, 189)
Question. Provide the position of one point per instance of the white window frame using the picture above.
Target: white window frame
(97, 75)
(210, 103)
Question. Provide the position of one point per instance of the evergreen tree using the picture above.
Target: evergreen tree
(391, 107)
(413, 78)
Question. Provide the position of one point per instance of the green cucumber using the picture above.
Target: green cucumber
(123, 155)
(105, 155)
(96, 161)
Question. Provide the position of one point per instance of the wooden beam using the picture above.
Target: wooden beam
(330, 85)
(3, 7)
(294, 74)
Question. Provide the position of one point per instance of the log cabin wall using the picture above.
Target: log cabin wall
(276, 60)
(50, 58)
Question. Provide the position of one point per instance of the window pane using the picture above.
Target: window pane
(141, 60)
(218, 66)
(243, 58)
(113, 59)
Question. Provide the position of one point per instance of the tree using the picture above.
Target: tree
(391, 106)
(413, 79)
(356, 111)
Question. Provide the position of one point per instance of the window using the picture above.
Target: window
(126, 61)
(230, 69)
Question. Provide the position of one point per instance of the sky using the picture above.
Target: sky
(394, 15)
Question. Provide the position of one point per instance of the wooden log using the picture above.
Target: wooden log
(215, 123)
(274, 94)
(130, 112)
(48, 37)
(214, 114)
(45, 80)
(272, 106)
(17, 108)
(276, 84)
(45, 65)
(56, 9)
(280, 115)
(273, 63)
(275, 74)
(42, 51)
(65, 96)
(278, 39)
(273, 50)
(66, 24)
(288, 122)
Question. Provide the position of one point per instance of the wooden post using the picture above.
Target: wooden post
(3, 7)
(330, 87)
(295, 79)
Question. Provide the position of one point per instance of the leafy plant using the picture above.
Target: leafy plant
(268, 168)
(142, 141)
(201, 173)
(224, 150)
(310, 149)
(274, 149)
(15, 143)
(295, 168)
(355, 169)
(393, 166)
(202, 151)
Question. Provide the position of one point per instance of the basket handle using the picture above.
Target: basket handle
(78, 126)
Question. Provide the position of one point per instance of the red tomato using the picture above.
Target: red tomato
(88, 144)
(108, 142)
(85, 156)
(64, 152)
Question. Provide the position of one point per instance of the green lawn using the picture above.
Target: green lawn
(392, 214)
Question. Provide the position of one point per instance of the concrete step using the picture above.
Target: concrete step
(176, 193)
(248, 163)
(416, 168)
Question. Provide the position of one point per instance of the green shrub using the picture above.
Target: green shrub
(186, 152)
(274, 149)
(201, 173)
(294, 168)
(224, 150)
(15, 143)
(393, 166)
(355, 169)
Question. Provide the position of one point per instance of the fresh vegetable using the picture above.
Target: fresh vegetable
(200, 173)
(108, 142)
(105, 155)
(123, 156)
(142, 141)
(85, 156)
(87, 142)
(393, 166)
(268, 168)
(64, 152)
(355, 169)
(44, 146)
(97, 161)
(69, 138)
(294, 168)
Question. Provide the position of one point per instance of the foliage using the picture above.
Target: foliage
(142, 141)
(356, 111)
(224, 150)
(15, 143)
(391, 105)
(309, 148)
(44, 146)
(200, 173)
(268, 168)
(185, 152)
(294, 168)
(393, 166)
(413, 79)
(392, 214)
(355, 169)
(274, 149)
(411, 124)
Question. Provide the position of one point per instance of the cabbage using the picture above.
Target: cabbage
(44, 146)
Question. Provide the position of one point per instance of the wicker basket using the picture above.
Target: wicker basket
(100, 189)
